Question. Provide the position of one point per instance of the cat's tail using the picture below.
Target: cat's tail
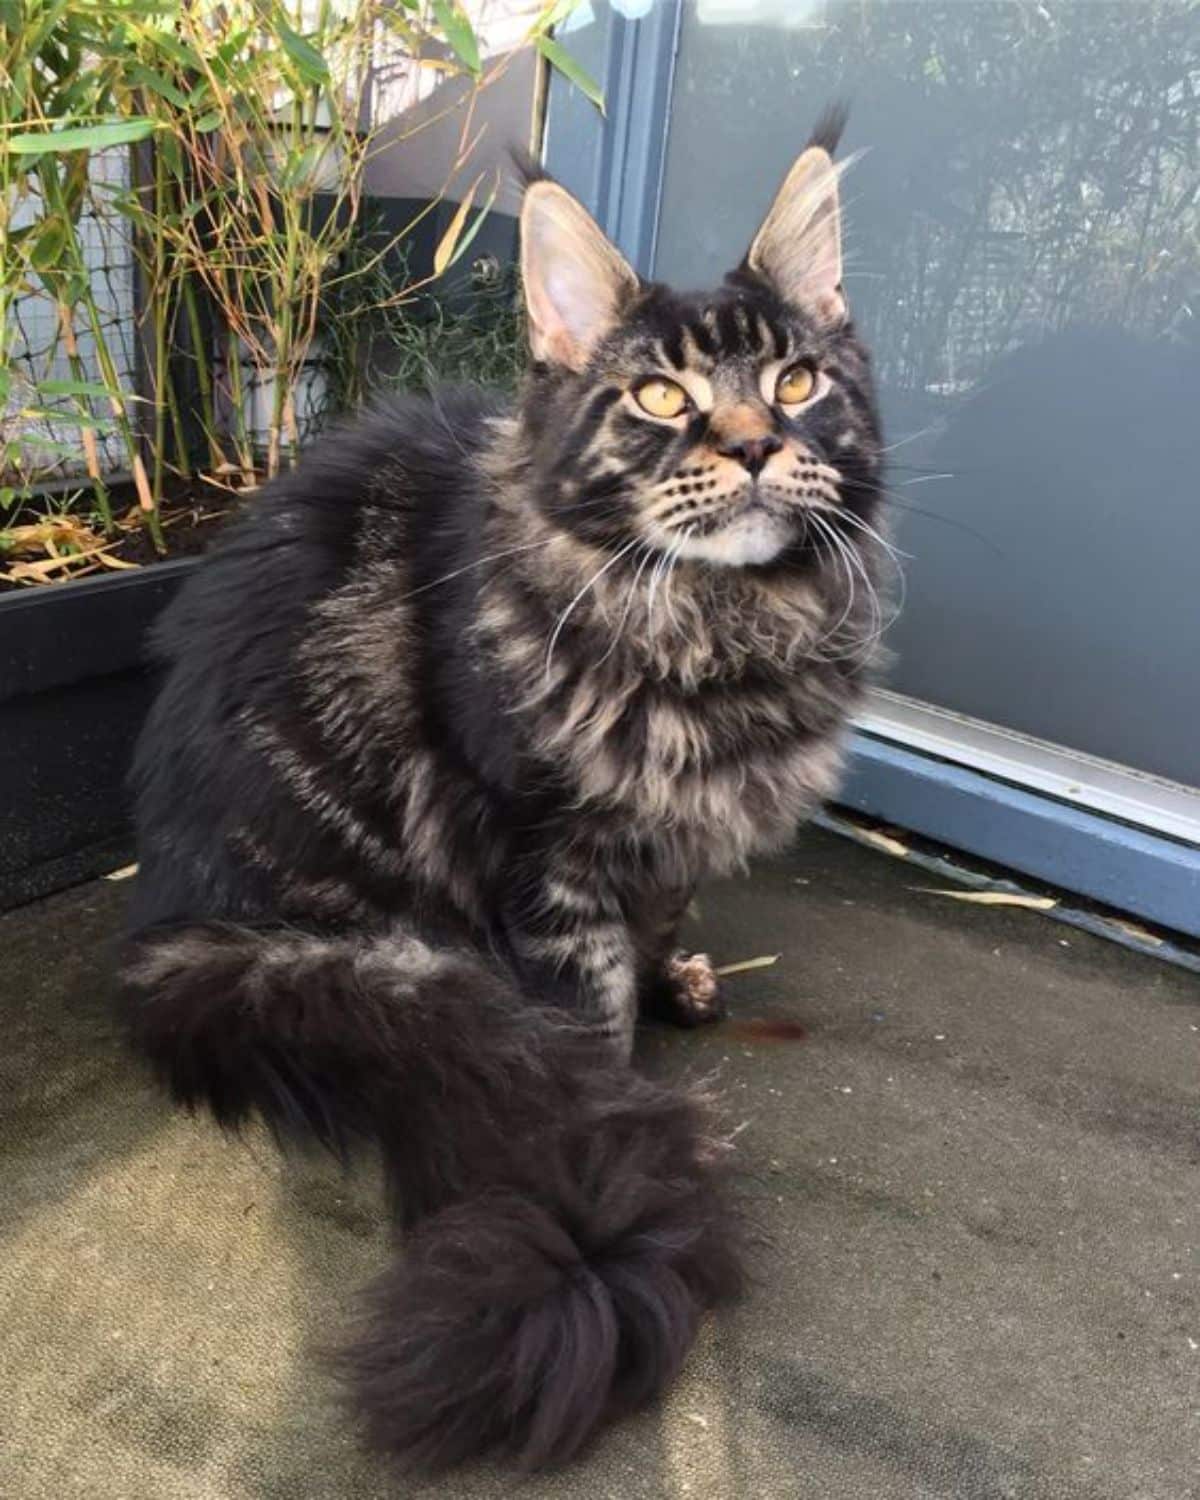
(568, 1220)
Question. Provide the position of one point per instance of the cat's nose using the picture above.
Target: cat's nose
(752, 453)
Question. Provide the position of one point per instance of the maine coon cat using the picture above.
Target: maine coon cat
(455, 718)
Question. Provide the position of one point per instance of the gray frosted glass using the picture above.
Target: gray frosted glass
(1023, 251)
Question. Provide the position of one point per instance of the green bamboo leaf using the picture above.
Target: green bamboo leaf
(208, 122)
(75, 184)
(168, 148)
(147, 78)
(71, 418)
(185, 56)
(555, 13)
(45, 444)
(72, 388)
(300, 170)
(81, 137)
(559, 58)
(46, 254)
(229, 49)
(458, 33)
(311, 66)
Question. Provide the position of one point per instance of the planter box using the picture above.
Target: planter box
(74, 688)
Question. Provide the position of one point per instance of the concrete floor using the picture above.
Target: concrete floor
(978, 1175)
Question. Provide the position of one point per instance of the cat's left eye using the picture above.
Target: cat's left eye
(795, 385)
(661, 398)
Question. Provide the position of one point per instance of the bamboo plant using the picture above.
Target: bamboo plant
(250, 135)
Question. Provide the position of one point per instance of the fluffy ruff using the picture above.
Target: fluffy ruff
(568, 1218)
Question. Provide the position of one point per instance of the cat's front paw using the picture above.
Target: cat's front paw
(687, 993)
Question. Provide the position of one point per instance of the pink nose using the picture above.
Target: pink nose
(752, 453)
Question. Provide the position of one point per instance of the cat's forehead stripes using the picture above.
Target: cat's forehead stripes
(702, 338)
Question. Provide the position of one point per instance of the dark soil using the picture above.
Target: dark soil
(189, 531)
(191, 519)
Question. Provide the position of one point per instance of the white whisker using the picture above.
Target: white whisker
(911, 438)
(596, 576)
(651, 589)
(675, 556)
(878, 624)
(637, 578)
(894, 552)
(924, 479)
(837, 553)
(478, 563)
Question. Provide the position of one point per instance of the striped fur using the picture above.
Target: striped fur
(504, 684)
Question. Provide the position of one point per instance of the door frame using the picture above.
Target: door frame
(613, 162)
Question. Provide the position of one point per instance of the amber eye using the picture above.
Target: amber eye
(661, 398)
(795, 385)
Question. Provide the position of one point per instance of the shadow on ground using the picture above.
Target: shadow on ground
(977, 1175)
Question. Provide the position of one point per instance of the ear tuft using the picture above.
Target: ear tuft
(799, 247)
(830, 127)
(576, 281)
(527, 167)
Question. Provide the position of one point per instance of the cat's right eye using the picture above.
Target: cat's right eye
(795, 386)
(662, 398)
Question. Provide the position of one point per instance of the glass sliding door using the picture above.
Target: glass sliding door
(1023, 252)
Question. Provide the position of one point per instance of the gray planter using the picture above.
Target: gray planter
(75, 685)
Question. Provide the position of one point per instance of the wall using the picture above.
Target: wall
(419, 166)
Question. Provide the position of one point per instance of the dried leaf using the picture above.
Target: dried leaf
(746, 964)
(47, 535)
(119, 564)
(1133, 930)
(882, 841)
(445, 250)
(994, 898)
(123, 873)
(41, 571)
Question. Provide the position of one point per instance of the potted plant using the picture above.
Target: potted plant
(224, 150)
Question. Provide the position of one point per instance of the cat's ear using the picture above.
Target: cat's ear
(798, 250)
(576, 282)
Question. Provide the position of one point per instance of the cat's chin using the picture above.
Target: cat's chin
(753, 538)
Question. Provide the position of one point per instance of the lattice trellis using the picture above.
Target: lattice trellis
(38, 350)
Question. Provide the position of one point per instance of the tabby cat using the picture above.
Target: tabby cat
(455, 718)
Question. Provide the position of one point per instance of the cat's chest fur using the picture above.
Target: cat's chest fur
(684, 735)
(709, 780)
(707, 733)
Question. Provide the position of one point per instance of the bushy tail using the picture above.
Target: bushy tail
(568, 1222)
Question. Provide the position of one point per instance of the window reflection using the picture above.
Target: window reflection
(1023, 252)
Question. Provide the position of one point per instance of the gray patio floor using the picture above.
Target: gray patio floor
(978, 1174)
